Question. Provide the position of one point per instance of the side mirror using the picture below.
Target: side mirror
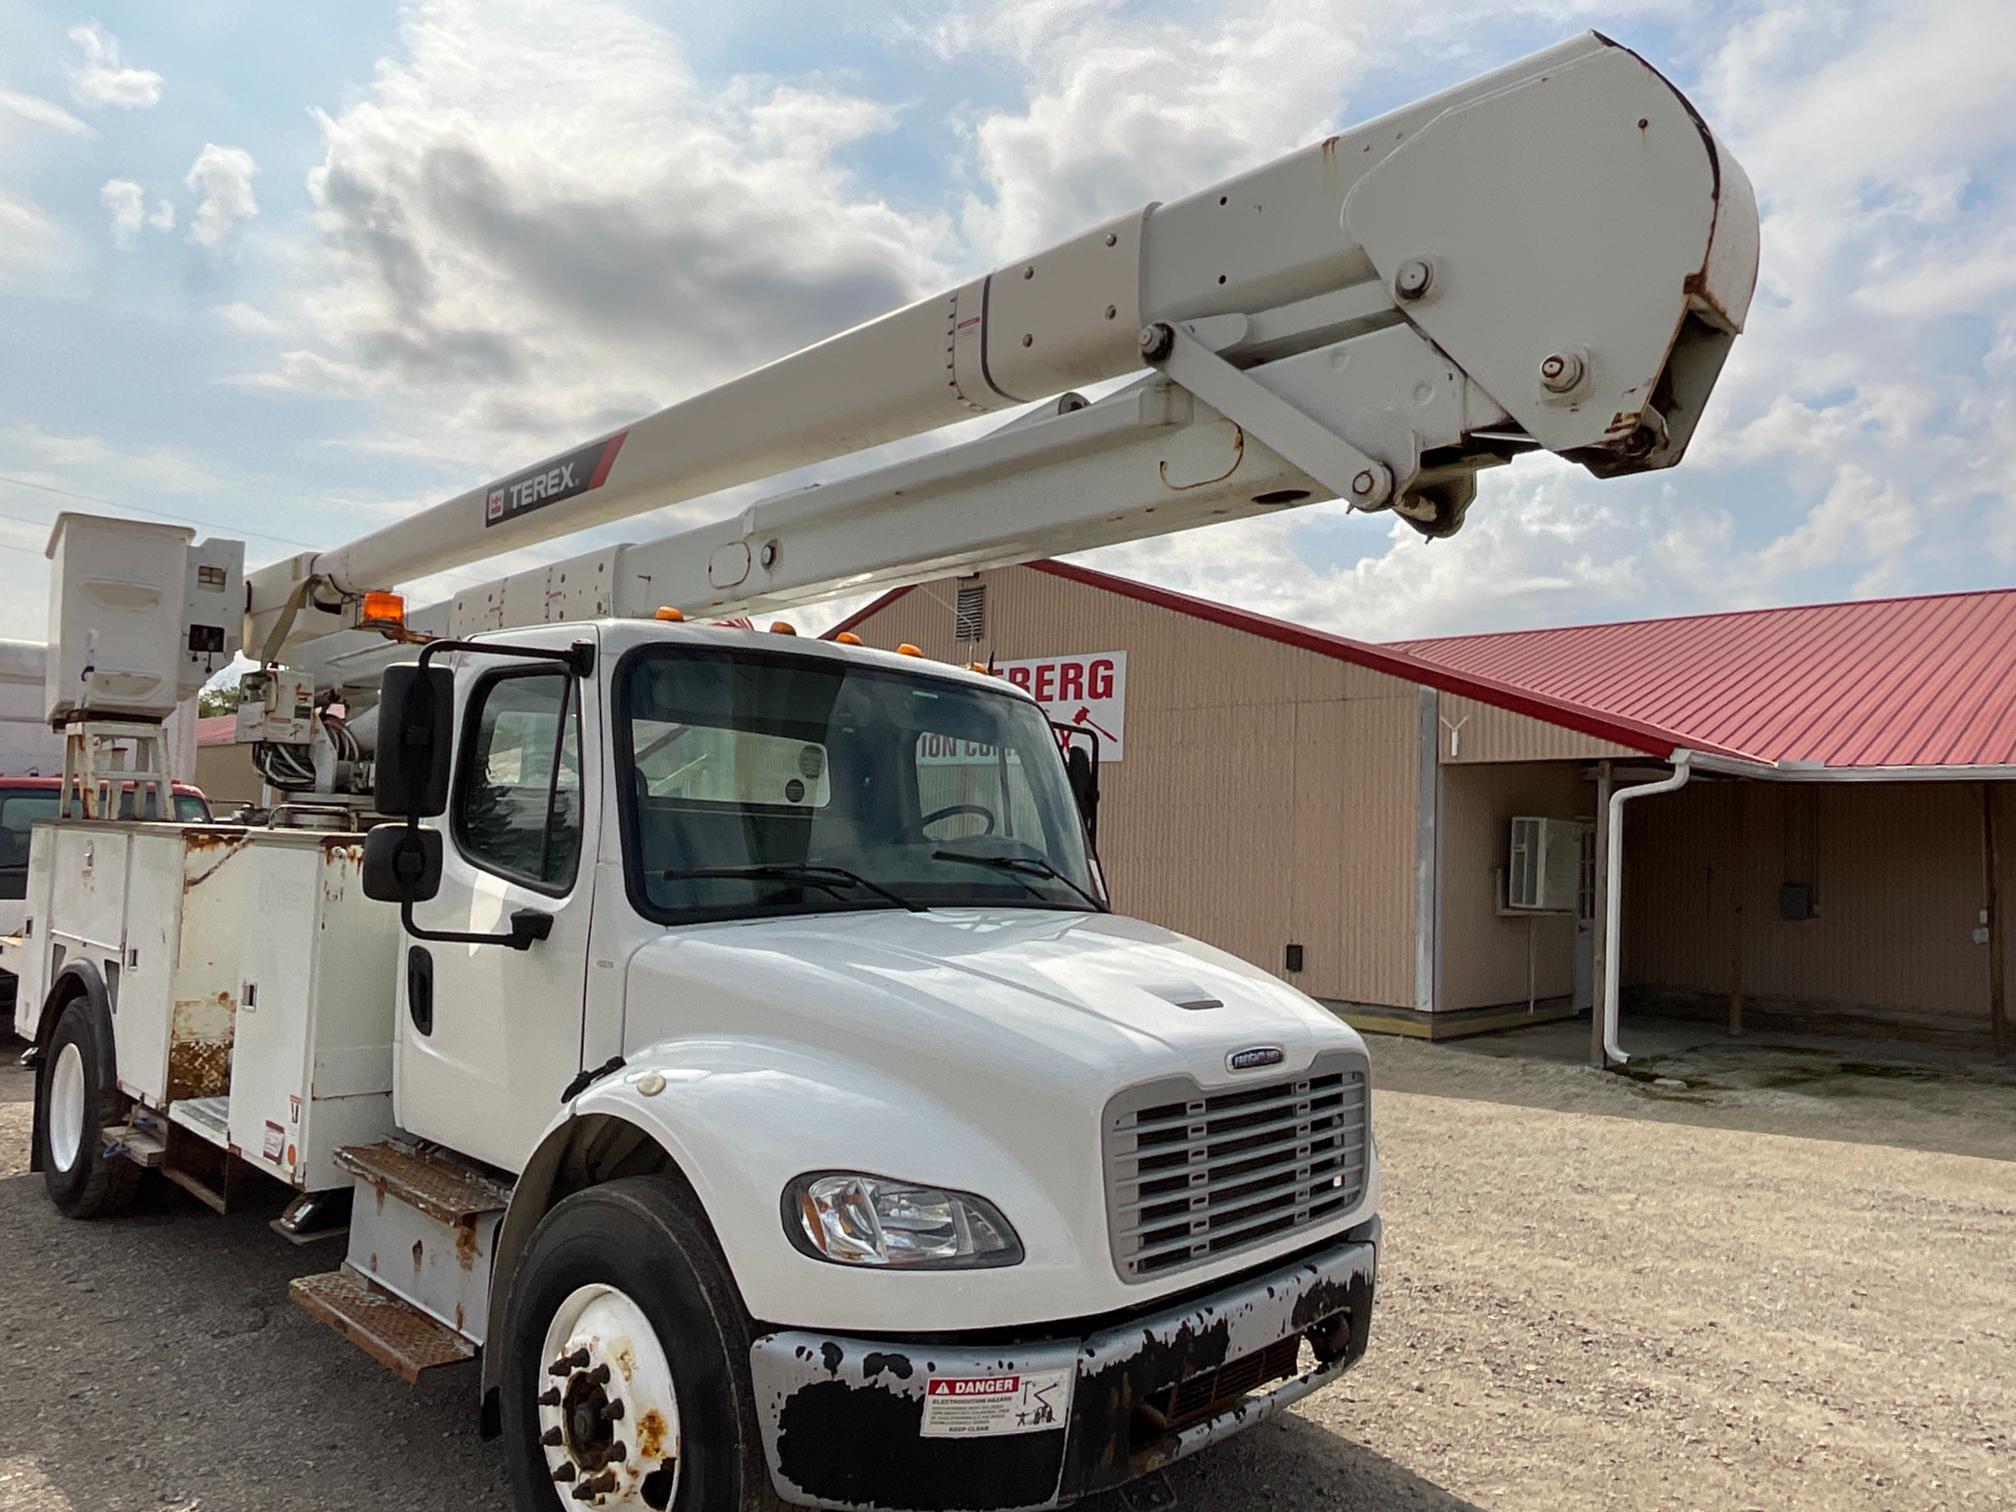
(401, 863)
(416, 736)
(1083, 774)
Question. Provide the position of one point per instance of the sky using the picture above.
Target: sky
(287, 272)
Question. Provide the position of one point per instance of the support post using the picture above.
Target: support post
(1738, 803)
(1998, 938)
(1601, 952)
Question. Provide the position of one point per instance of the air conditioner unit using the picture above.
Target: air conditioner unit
(1546, 864)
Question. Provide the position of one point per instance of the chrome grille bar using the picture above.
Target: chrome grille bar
(1192, 1176)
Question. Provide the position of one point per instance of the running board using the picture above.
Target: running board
(394, 1333)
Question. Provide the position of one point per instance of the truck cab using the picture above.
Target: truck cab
(846, 973)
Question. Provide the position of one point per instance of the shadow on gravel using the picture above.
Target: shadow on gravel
(1811, 1087)
(156, 1365)
(1290, 1464)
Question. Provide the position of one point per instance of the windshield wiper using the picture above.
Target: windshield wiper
(835, 879)
(1033, 866)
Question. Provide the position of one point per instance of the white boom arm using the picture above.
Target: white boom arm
(1553, 256)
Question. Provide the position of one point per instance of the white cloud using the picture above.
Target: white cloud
(37, 111)
(222, 179)
(247, 320)
(32, 247)
(126, 202)
(101, 77)
(525, 235)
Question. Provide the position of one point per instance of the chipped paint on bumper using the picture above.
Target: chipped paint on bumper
(841, 1417)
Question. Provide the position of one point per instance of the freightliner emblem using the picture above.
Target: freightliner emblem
(1254, 1058)
(551, 481)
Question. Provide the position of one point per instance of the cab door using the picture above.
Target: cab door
(490, 1036)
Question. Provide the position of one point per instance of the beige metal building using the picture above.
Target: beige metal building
(1364, 820)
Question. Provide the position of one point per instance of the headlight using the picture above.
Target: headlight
(853, 1219)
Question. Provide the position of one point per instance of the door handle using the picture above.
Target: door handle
(420, 988)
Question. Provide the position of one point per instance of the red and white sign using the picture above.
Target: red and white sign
(982, 1406)
(1087, 691)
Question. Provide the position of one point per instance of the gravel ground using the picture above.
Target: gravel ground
(1591, 1297)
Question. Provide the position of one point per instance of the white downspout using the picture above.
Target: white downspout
(1613, 899)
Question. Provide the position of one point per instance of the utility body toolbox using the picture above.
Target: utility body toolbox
(248, 978)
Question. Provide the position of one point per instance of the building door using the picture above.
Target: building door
(1585, 924)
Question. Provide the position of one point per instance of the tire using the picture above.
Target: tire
(603, 1268)
(72, 1106)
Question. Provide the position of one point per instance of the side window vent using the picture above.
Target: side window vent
(969, 614)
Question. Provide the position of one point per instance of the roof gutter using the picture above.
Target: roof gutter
(1788, 771)
(1613, 894)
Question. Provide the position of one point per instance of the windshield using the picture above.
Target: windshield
(842, 786)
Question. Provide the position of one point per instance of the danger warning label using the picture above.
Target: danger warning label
(979, 1406)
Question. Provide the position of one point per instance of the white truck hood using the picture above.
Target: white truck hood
(988, 988)
(976, 1049)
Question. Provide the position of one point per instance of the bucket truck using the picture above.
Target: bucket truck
(769, 1114)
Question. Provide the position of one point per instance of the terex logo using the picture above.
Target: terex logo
(533, 489)
(1253, 1058)
(551, 481)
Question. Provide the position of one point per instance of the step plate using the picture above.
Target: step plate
(439, 1187)
(401, 1338)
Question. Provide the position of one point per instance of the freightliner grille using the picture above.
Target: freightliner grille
(1193, 1176)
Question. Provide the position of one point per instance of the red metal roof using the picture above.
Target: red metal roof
(1884, 682)
(1620, 731)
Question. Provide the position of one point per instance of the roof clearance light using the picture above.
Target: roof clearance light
(382, 611)
(783, 627)
(906, 649)
(847, 638)
(670, 615)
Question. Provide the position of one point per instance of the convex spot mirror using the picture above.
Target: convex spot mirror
(416, 735)
(402, 863)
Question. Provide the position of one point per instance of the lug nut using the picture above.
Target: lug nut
(550, 1397)
(1560, 372)
(569, 1363)
(600, 1374)
(552, 1438)
(617, 1453)
(1414, 279)
(613, 1411)
(564, 1472)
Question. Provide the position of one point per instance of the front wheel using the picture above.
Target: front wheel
(74, 1106)
(626, 1360)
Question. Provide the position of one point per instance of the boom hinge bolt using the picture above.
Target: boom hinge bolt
(1560, 372)
(1157, 341)
(1364, 483)
(1415, 278)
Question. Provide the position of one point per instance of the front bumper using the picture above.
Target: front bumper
(844, 1420)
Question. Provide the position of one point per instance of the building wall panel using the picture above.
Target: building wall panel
(1483, 956)
(1478, 732)
(1897, 869)
(1268, 793)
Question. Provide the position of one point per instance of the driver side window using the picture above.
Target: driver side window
(518, 799)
